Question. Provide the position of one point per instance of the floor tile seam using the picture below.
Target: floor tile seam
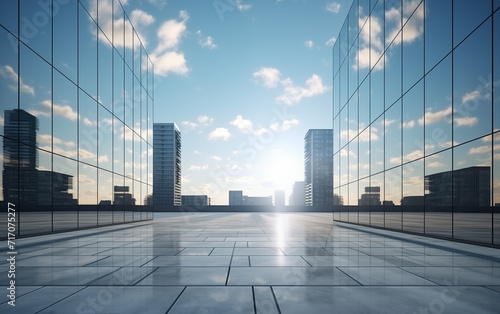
(151, 273)
(302, 257)
(414, 274)
(176, 299)
(83, 288)
(343, 272)
(275, 299)
(18, 296)
(411, 239)
(90, 264)
(73, 237)
(229, 266)
(254, 301)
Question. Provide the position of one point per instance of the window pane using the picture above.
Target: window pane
(353, 69)
(393, 136)
(364, 105)
(439, 194)
(105, 72)
(36, 75)
(377, 145)
(353, 161)
(118, 149)
(496, 71)
(88, 129)
(118, 87)
(118, 27)
(413, 48)
(472, 190)
(413, 131)
(87, 196)
(377, 33)
(438, 35)
(9, 16)
(36, 28)
(377, 90)
(9, 76)
(65, 116)
(35, 194)
(472, 86)
(88, 48)
(353, 117)
(64, 189)
(392, 199)
(393, 72)
(363, 202)
(105, 197)
(393, 20)
(496, 188)
(364, 153)
(65, 38)
(353, 202)
(376, 209)
(105, 139)
(438, 109)
(413, 196)
(466, 17)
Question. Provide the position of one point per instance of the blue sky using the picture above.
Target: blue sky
(244, 81)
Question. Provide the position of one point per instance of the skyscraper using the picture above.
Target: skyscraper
(166, 164)
(318, 165)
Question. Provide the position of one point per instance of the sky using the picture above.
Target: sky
(244, 81)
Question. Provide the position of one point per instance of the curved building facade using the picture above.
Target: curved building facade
(416, 117)
(76, 116)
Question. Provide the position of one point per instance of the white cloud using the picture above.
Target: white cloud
(480, 150)
(333, 7)
(216, 158)
(189, 125)
(8, 72)
(331, 41)
(269, 76)
(197, 167)
(285, 126)
(435, 164)
(309, 43)
(414, 155)
(219, 134)
(244, 125)
(469, 121)
(293, 94)
(138, 18)
(432, 117)
(171, 61)
(165, 56)
(408, 125)
(241, 6)
(62, 110)
(205, 120)
(206, 41)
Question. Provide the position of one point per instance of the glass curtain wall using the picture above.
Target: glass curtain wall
(76, 116)
(416, 117)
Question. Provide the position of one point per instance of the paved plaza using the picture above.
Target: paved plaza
(249, 263)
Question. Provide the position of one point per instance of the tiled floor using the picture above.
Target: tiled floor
(250, 263)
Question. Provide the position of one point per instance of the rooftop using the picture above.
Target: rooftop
(251, 263)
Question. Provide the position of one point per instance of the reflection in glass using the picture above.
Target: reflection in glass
(364, 154)
(413, 46)
(372, 196)
(364, 202)
(392, 21)
(9, 10)
(413, 130)
(472, 86)
(377, 150)
(393, 72)
(469, 19)
(392, 132)
(64, 188)
(437, 31)
(439, 194)
(413, 196)
(35, 28)
(9, 75)
(65, 116)
(392, 199)
(87, 36)
(472, 190)
(377, 91)
(65, 39)
(496, 188)
(105, 72)
(344, 194)
(87, 196)
(438, 109)
(105, 139)
(353, 202)
(105, 197)
(496, 71)
(353, 117)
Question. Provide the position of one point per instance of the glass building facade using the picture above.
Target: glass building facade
(76, 116)
(416, 117)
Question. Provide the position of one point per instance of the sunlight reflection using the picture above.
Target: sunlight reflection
(281, 229)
